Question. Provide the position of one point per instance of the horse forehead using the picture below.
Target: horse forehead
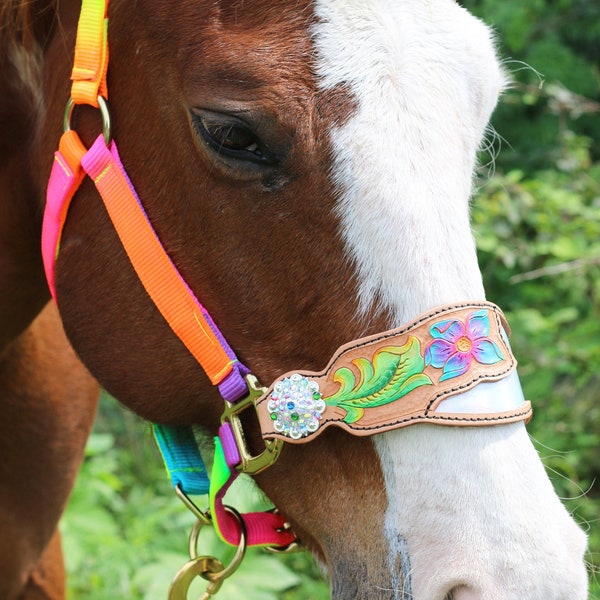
(426, 54)
(256, 52)
(255, 36)
(425, 78)
(293, 46)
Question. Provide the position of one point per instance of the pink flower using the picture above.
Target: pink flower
(456, 345)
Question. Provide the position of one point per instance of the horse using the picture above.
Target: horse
(307, 166)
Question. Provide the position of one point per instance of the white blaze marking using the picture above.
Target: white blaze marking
(425, 78)
(404, 161)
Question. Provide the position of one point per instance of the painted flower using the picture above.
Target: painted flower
(457, 344)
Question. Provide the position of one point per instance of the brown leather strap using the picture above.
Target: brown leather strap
(398, 378)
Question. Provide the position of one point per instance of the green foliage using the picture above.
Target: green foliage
(551, 51)
(539, 242)
(537, 224)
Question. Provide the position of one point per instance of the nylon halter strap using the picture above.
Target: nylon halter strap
(181, 309)
(425, 372)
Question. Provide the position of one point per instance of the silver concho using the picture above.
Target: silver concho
(296, 406)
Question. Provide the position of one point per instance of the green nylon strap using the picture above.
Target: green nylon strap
(220, 477)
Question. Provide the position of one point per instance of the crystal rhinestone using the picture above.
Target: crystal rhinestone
(296, 406)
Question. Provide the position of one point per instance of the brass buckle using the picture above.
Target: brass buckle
(292, 548)
(250, 464)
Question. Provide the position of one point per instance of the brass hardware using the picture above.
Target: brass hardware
(201, 566)
(293, 547)
(208, 567)
(202, 516)
(250, 464)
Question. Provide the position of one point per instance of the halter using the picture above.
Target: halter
(427, 371)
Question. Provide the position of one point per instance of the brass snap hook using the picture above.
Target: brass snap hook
(201, 566)
(208, 567)
(250, 464)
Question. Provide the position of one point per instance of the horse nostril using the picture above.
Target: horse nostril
(463, 593)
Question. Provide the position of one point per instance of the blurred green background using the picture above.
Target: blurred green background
(536, 217)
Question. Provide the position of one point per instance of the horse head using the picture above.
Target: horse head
(308, 166)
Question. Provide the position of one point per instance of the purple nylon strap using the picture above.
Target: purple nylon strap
(233, 388)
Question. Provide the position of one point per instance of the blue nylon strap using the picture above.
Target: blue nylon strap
(182, 458)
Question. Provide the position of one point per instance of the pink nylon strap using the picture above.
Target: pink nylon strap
(263, 528)
(65, 178)
(172, 296)
(103, 165)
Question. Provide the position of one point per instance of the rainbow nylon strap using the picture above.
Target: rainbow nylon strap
(181, 309)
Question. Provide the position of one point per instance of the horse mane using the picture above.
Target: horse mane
(25, 27)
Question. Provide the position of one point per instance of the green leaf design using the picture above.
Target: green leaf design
(394, 372)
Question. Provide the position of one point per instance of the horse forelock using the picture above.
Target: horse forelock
(24, 27)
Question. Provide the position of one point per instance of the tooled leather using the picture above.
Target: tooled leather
(418, 405)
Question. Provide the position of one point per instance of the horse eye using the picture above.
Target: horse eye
(230, 137)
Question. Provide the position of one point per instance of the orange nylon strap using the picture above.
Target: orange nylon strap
(162, 281)
(91, 54)
(71, 150)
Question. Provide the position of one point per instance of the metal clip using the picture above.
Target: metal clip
(201, 566)
(208, 567)
(292, 548)
(250, 464)
(104, 115)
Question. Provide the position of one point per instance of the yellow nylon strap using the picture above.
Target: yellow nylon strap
(91, 53)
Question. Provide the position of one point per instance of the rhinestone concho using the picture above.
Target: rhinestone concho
(296, 406)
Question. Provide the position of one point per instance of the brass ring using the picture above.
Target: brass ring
(239, 553)
(104, 114)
